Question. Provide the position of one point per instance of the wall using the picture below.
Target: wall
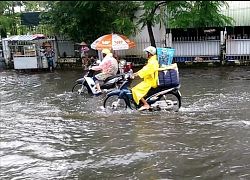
(239, 11)
(142, 39)
(159, 32)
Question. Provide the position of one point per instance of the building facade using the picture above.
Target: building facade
(238, 10)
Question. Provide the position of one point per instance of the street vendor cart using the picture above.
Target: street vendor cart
(24, 51)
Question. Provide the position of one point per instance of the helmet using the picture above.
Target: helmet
(105, 51)
(150, 49)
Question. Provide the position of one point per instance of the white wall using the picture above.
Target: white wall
(159, 33)
(142, 39)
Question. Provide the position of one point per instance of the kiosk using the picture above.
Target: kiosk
(24, 51)
(27, 58)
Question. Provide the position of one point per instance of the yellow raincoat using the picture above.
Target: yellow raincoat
(149, 73)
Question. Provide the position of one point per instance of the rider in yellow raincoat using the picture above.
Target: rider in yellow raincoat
(149, 73)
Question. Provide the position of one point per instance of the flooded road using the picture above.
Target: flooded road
(49, 133)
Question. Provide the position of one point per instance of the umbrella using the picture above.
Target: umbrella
(39, 35)
(112, 41)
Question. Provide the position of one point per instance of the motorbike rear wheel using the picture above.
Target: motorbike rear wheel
(171, 101)
(80, 89)
(112, 103)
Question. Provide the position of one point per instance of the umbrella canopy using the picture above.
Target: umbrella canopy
(39, 35)
(112, 41)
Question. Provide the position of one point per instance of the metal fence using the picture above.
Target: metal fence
(186, 49)
(238, 49)
(191, 48)
(136, 54)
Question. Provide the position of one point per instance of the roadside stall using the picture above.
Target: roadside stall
(24, 51)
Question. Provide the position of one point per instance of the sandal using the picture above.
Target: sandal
(98, 93)
(143, 108)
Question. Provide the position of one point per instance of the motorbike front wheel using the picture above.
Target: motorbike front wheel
(113, 103)
(80, 89)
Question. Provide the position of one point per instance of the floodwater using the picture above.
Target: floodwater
(49, 133)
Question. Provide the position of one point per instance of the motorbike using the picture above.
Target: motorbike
(159, 98)
(86, 85)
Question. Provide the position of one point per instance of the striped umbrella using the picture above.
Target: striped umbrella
(112, 42)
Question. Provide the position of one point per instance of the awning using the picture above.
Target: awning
(21, 38)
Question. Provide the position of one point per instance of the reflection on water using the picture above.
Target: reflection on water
(49, 133)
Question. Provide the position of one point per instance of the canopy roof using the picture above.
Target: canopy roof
(21, 38)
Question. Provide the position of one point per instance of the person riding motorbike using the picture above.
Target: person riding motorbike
(109, 67)
(149, 73)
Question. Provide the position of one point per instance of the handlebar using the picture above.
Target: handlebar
(129, 74)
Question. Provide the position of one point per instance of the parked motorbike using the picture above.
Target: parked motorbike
(86, 85)
(158, 98)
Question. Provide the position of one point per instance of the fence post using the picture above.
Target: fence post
(222, 46)
(169, 39)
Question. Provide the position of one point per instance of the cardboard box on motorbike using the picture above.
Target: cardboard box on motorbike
(168, 75)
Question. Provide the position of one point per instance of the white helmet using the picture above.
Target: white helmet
(150, 49)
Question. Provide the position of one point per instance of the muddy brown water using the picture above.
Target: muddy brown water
(49, 133)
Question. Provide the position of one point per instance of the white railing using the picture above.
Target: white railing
(196, 48)
(185, 49)
(237, 47)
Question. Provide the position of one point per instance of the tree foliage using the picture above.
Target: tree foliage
(8, 20)
(34, 6)
(87, 20)
(198, 14)
(183, 14)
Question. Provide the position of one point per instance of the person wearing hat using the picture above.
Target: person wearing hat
(109, 67)
(49, 54)
(84, 54)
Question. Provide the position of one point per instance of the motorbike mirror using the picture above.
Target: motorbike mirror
(123, 61)
(130, 74)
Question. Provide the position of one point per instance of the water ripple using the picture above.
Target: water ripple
(47, 132)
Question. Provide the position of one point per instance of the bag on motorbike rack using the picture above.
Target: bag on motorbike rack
(168, 76)
(165, 56)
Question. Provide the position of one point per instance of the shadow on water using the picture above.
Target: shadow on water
(49, 133)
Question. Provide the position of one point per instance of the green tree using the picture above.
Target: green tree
(10, 11)
(87, 20)
(34, 6)
(183, 14)
(8, 20)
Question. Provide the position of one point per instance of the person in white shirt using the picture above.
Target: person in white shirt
(109, 67)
